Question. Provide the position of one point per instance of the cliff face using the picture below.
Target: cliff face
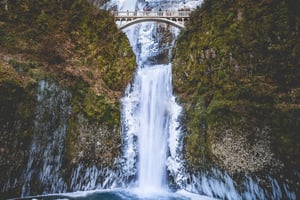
(75, 55)
(236, 71)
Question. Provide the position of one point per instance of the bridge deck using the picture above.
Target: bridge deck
(119, 15)
(128, 18)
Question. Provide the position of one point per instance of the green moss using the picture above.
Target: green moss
(97, 108)
(220, 111)
(286, 125)
(100, 55)
(17, 104)
(238, 59)
(80, 48)
(32, 25)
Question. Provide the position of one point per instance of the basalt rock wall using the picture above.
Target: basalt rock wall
(63, 64)
(236, 72)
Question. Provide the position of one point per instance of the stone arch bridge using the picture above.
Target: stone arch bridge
(125, 19)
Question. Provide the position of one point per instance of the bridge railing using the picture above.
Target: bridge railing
(141, 14)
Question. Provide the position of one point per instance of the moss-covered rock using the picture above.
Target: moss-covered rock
(92, 143)
(235, 68)
(16, 121)
(78, 48)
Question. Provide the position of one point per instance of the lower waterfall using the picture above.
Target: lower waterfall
(151, 108)
(153, 125)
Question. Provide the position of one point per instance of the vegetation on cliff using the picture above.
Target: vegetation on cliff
(237, 65)
(73, 46)
(74, 42)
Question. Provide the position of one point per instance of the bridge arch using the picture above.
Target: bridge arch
(163, 20)
(174, 18)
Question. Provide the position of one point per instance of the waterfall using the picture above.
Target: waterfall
(153, 126)
(151, 108)
(150, 115)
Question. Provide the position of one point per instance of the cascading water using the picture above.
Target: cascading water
(45, 159)
(153, 122)
(151, 130)
(153, 116)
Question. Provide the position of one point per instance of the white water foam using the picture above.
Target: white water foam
(151, 116)
(45, 159)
